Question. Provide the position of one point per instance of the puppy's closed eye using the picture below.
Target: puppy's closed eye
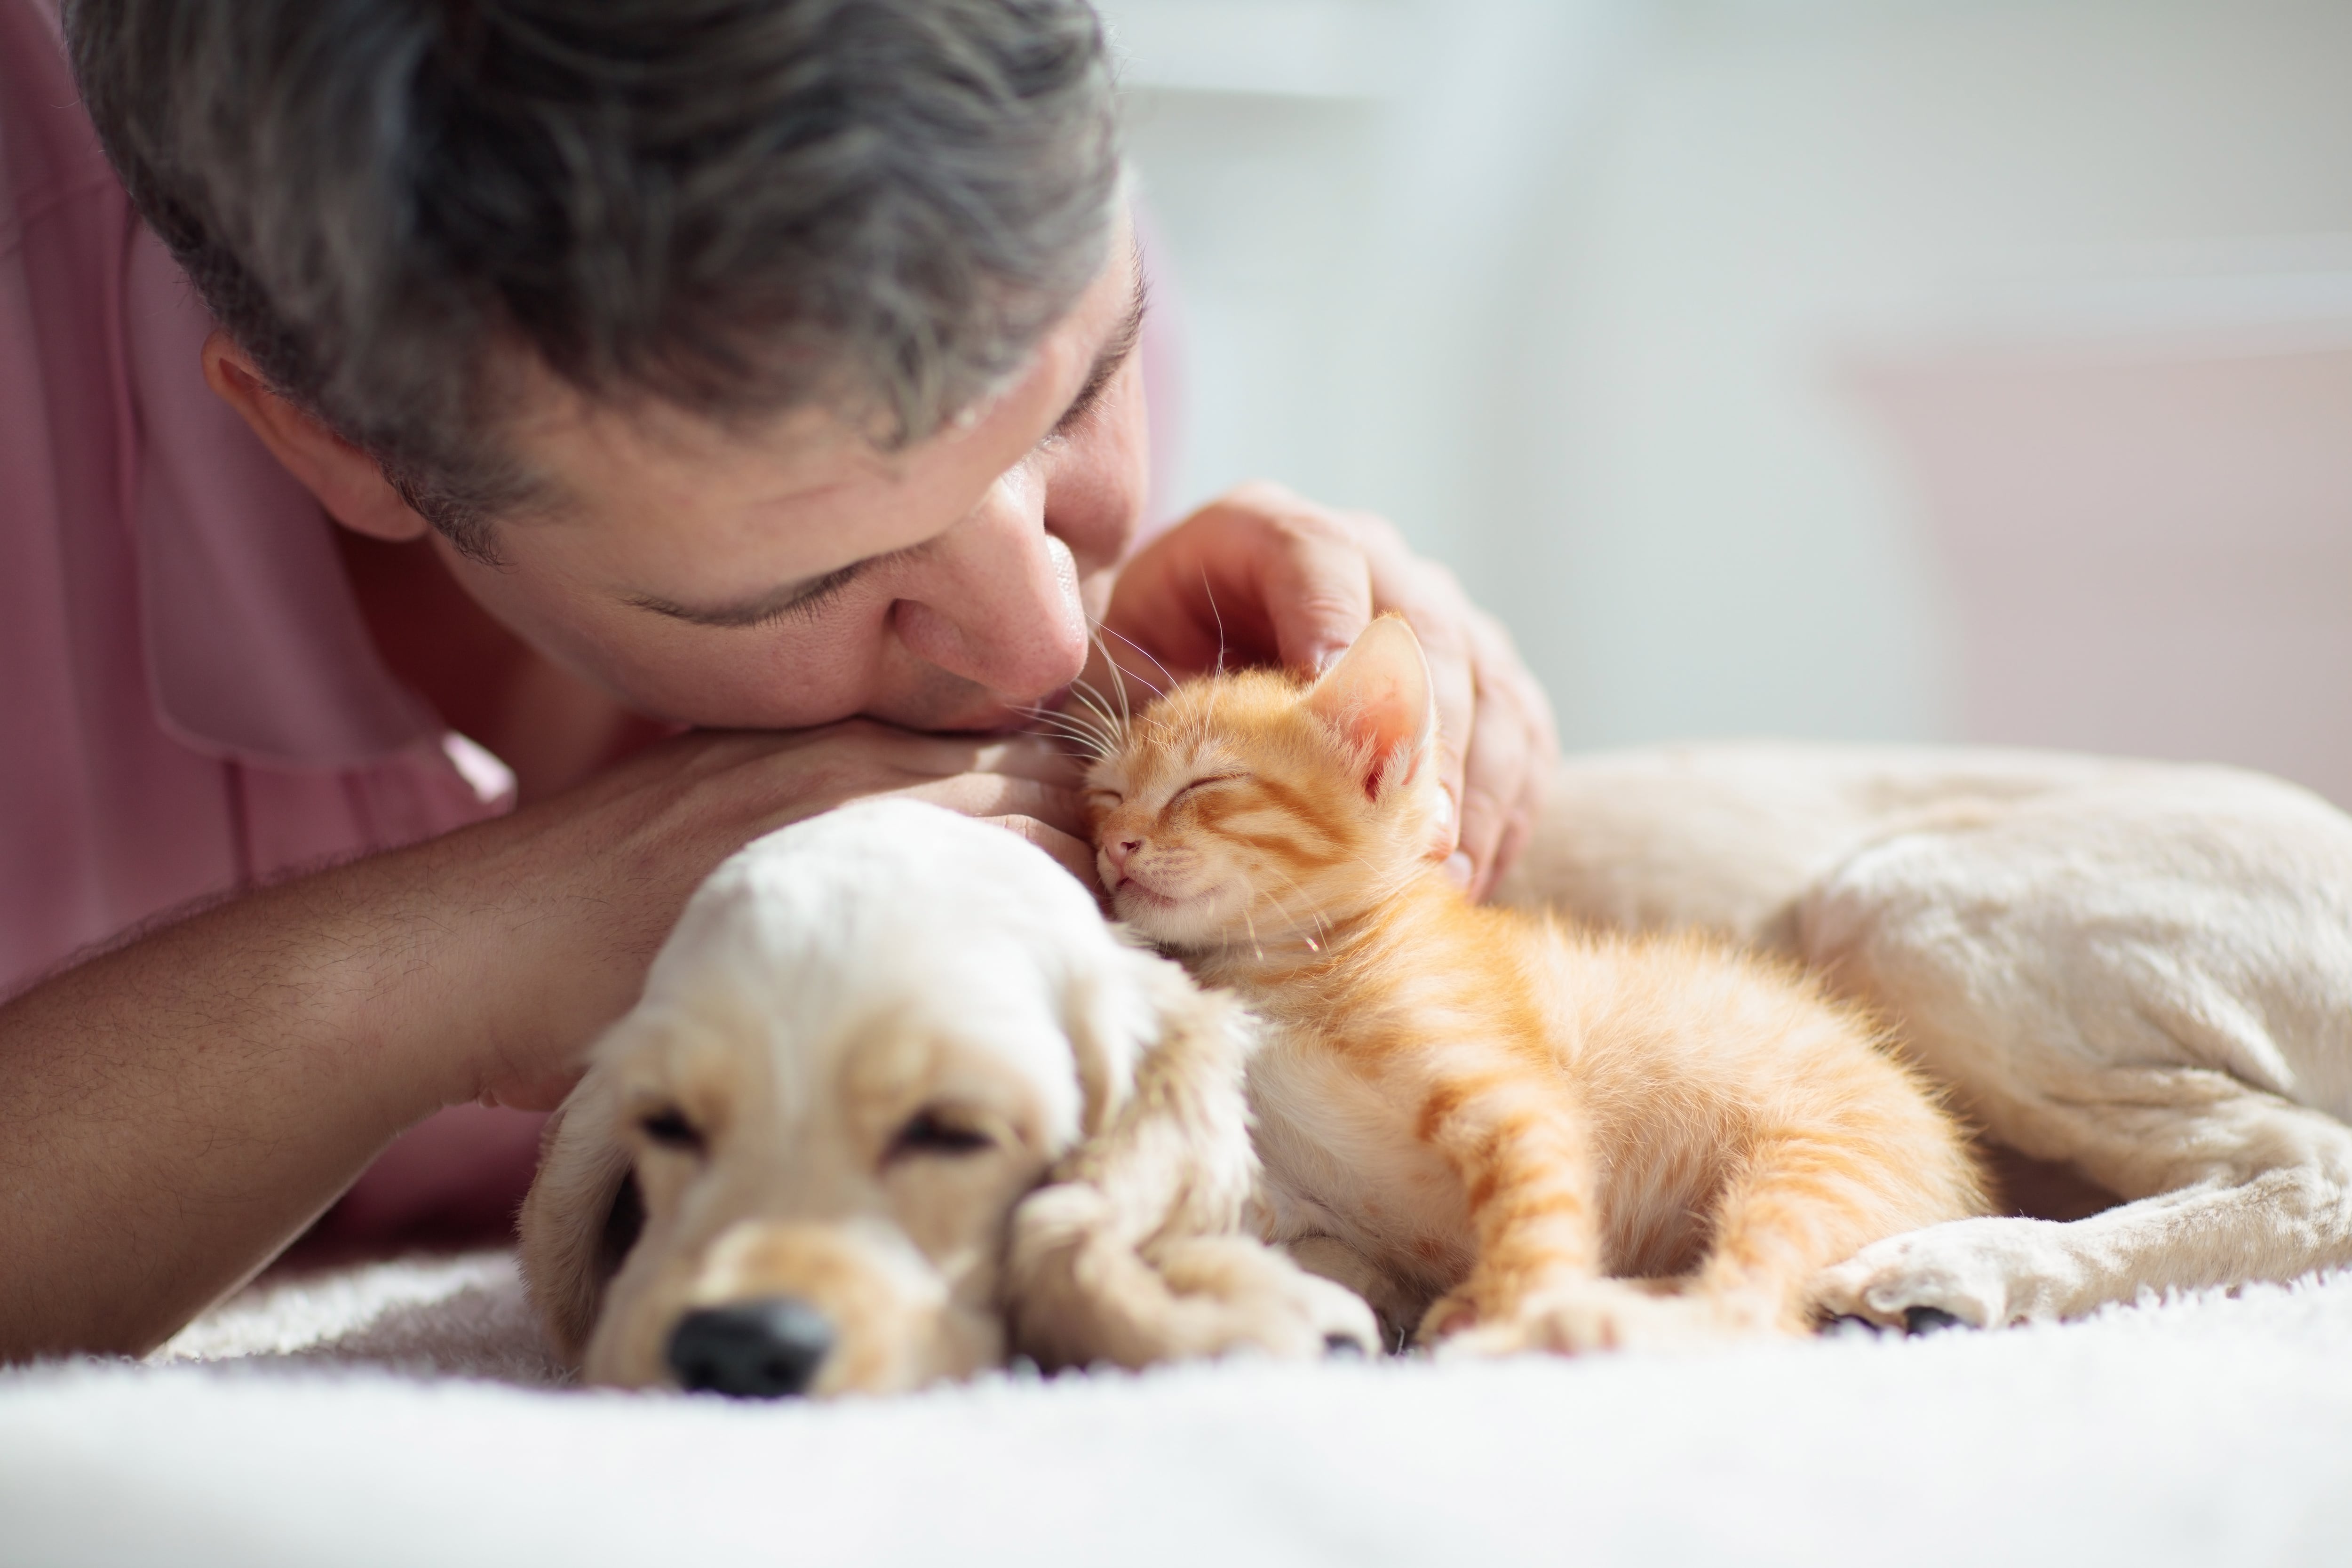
(934, 1132)
(668, 1128)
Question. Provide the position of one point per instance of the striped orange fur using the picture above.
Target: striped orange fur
(1507, 1132)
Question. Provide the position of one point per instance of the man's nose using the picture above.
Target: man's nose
(1002, 609)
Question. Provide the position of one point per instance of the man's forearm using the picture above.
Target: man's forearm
(175, 1112)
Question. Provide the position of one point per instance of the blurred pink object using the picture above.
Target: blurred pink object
(190, 705)
(1164, 371)
(2147, 540)
(454, 1180)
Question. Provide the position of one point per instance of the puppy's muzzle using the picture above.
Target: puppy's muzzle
(764, 1349)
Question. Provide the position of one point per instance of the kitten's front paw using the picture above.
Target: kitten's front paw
(1594, 1316)
(1580, 1321)
(1986, 1273)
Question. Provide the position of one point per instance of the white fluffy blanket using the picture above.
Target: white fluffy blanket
(403, 1413)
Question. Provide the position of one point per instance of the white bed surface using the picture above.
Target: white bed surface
(402, 1415)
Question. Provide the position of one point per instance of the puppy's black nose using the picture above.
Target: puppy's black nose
(750, 1349)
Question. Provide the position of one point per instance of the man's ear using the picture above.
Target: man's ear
(1379, 698)
(348, 483)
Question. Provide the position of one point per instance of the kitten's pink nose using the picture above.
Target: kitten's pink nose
(1118, 849)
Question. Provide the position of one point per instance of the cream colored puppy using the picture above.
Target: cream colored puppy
(792, 1168)
(2138, 971)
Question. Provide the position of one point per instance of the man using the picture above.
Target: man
(765, 368)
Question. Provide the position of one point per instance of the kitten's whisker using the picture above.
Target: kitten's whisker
(1115, 734)
(1044, 715)
(1117, 676)
(1087, 723)
(1106, 721)
(1054, 717)
(1392, 882)
(1069, 729)
(1088, 694)
(1165, 674)
(1295, 888)
(1219, 618)
(1096, 716)
(1314, 912)
(1071, 745)
(1096, 701)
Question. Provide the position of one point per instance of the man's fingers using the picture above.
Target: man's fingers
(1513, 748)
(1317, 589)
(1032, 757)
(1497, 768)
(1076, 855)
(994, 795)
(1257, 574)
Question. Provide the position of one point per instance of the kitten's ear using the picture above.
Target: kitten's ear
(1380, 698)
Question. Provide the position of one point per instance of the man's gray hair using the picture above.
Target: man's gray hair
(737, 207)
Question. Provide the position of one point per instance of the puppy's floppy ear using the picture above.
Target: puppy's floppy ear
(582, 1216)
(1179, 1150)
(1111, 1022)
(1141, 1025)
(1166, 1155)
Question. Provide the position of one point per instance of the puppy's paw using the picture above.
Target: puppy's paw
(1076, 1292)
(1983, 1273)
(1234, 1293)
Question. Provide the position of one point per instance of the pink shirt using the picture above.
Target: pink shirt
(189, 701)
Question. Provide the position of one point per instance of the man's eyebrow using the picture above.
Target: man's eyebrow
(767, 608)
(1116, 350)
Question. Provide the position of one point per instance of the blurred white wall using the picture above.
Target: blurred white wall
(1597, 299)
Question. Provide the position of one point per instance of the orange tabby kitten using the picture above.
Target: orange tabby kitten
(1509, 1132)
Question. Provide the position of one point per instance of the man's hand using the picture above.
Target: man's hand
(1264, 577)
(604, 870)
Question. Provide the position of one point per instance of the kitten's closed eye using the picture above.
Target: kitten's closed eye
(1204, 784)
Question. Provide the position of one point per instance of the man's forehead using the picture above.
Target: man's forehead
(761, 503)
(579, 443)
